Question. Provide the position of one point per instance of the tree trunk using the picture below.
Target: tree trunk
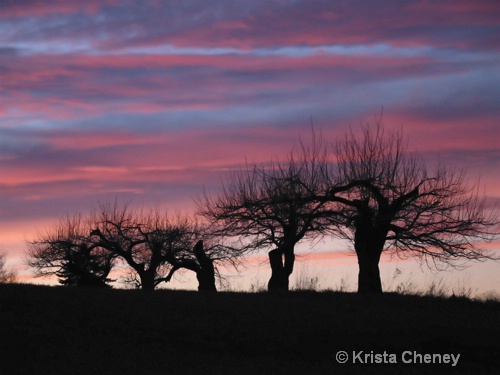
(369, 245)
(278, 280)
(206, 272)
(147, 281)
(289, 261)
(369, 274)
(280, 269)
(369, 240)
(206, 281)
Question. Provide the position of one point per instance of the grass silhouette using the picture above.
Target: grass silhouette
(62, 330)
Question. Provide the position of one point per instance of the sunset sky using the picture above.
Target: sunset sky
(153, 101)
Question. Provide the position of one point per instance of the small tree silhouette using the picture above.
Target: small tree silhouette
(6, 275)
(65, 251)
(83, 267)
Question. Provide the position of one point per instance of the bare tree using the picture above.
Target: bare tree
(399, 205)
(65, 251)
(7, 275)
(270, 206)
(155, 245)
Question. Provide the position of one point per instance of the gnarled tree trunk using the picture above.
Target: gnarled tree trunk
(369, 240)
(279, 279)
(369, 274)
(369, 244)
(281, 262)
(206, 271)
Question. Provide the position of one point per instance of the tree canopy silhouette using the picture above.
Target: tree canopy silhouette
(271, 206)
(400, 205)
(7, 275)
(152, 244)
(65, 251)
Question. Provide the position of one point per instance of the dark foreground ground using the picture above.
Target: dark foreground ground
(55, 330)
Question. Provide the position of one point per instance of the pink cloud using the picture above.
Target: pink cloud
(326, 23)
(428, 134)
(36, 8)
(137, 158)
(73, 86)
(460, 24)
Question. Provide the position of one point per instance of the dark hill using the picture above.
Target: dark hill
(56, 330)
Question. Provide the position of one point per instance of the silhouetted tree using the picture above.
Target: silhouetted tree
(270, 206)
(155, 246)
(67, 253)
(202, 265)
(83, 266)
(7, 275)
(400, 206)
